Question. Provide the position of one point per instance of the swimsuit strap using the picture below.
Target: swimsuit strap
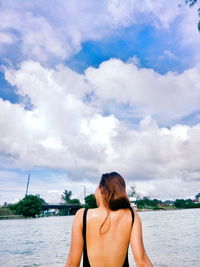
(85, 255)
(133, 215)
(126, 263)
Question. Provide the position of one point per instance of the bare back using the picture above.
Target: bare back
(108, 249)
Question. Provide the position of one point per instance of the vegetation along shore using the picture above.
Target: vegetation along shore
(32, 206)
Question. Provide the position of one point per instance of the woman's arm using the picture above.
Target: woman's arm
(76, 247)
(136, 241)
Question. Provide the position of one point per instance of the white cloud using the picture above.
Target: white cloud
(6, 38)
(79, 122)
(157, 13)
(62, 127)
(170, 55)
(189, 34)
(68, 130)
(38, 38)
(134, 60)
(53, 32)
(147, 91)
(167, 189)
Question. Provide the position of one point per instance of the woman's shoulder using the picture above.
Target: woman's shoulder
(80, 212)
(137, 220)
(79, 216)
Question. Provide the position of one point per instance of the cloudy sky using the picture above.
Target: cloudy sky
(88, 87)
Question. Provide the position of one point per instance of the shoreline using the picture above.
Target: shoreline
(18, 217)
(11, 217)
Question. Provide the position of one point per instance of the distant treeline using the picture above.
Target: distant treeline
(186, 204)
(32, 205)
(147, 203)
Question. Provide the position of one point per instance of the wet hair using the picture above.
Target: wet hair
(113, 190)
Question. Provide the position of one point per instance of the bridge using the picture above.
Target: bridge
(63, 208)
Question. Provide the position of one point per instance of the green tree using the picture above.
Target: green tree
(90, 202)
(133, 193)
(186, 204)
(12, 207)
(66, 196)
(4, 211)
(74, 201)
(146, 202)
(180, 203)
(155, 202)
(191, 3)
(29, 206)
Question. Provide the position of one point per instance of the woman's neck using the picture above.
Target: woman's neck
(102, 206)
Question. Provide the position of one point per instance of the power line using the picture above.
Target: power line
(5, 190)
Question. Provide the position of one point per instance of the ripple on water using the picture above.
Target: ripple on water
(171, 239)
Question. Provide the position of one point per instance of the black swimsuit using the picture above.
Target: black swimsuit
(85, 255)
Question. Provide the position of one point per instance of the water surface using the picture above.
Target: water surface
(171, 238)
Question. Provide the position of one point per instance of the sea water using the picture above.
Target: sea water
(171, 239)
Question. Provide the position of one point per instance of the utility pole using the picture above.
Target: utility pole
(27, 184)
(84, 191)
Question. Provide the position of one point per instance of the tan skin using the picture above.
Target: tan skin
(108, 249)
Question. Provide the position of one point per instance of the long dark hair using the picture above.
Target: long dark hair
(113, 190)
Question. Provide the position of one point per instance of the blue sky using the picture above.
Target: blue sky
(83, 85)
(143, 41)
